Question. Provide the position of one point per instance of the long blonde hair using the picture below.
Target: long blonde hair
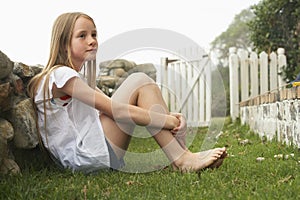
(60, 55)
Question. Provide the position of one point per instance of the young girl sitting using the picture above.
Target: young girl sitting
(82, 128)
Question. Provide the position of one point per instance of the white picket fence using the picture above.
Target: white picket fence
(261, 99)
(252, 75)
(186, 86)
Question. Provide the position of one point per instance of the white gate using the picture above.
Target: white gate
(186, 86)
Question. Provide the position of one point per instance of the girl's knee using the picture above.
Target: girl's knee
(140, 78)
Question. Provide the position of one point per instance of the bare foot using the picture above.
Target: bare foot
(218, 162)
(193, 162)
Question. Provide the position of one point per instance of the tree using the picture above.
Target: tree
(237, 35)
(277, 24)
(220, 92)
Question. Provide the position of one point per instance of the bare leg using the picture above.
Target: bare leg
(140, 90)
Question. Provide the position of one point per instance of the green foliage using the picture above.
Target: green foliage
(277, 24)
(236, 35)
(240, 176)
(220, 92)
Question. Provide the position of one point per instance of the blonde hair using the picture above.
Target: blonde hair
(60, 55)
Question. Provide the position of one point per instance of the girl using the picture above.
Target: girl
(82, 128)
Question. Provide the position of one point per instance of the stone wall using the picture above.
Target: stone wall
(17, 118)
(114, 72)
(274, 115)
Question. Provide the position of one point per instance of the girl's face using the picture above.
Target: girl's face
(84, 42)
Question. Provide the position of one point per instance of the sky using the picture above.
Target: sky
(26, 25)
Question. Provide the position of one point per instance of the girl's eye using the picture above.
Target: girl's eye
(94, 35)
(82, 35)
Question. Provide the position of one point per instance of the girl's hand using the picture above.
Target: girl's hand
(180, 131)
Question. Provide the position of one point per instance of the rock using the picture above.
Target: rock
(104, 89)
(118, 63)
(17, 117)
(37, 69)
(119, 72)
(278, 156)
(22, 70)
(25, 73)
(9, 166)
(3, 149)
(5, 97)
(245, 142)
(18, 85)
(147, 68)
(6, 130)
(6, 134)
(103, 65)
(260, 159)
(120, 81)
(23, 121)
(109, 81)
(114, 72)
(6, 65)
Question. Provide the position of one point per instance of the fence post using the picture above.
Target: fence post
(263, 61)
(196, 112)
(172, 86)
(178, 84)
(234, 83)
(208, 93)
(281, 64)
(273, 71)
(164, 80)
(253, 74)
(190, 98)
(243, 54)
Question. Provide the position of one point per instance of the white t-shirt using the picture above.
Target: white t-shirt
(75, 136)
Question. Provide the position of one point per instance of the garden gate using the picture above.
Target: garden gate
(186, 85)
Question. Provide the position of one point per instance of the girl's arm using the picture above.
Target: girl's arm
(120, 112)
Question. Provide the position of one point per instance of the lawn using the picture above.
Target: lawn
(275, 176)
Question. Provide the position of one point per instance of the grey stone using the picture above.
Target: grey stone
(6, 65)
(22, 70)
(114, 72)
(23, 121)
(9, 166)
(109, 81)
(6, 130)
(5, 97)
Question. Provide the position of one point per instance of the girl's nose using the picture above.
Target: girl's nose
(92, 40)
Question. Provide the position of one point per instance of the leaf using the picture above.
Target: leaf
(286, 179)
(129, 182)
(133, 182)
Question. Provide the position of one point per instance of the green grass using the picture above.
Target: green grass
(240, 176)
